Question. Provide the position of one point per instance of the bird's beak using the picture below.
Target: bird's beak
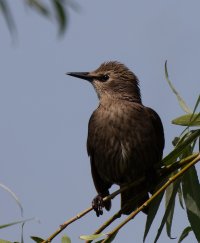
(82, 75)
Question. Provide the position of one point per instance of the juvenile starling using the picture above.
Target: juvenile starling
(125, 138)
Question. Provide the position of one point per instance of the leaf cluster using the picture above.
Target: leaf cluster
(56, 10)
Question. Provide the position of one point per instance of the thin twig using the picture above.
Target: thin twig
(170, 180)
(163, 172)
(65, 224)
(118, 214)
(81, 214)
(168, 169)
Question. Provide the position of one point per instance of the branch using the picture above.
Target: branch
(170, 180)
(86, 211)
(163, 172)
(168, 169)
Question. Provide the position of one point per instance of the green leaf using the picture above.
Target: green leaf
(153, 208)
(91, 237)
(65, 239)
(14, 196)
(180, 196)
(109, 240)
(187, 120)
(4, 7)
(180, 99)
(37, 239)
(168, 195)
(41, 8)
(61, 15)
(171, 157)
(191, 194)
(196, 105)
(5, 241)
(13, 223)
(169, 206)
(185, 233)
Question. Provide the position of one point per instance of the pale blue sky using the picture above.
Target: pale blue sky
(44, 113)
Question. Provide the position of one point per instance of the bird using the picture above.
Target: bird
(125, 138)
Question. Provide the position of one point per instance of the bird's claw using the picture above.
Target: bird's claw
(98, 205)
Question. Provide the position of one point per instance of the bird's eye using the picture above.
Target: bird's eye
(104, 78)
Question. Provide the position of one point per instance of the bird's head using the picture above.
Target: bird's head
(114, 80)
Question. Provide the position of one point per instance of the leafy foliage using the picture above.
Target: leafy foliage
(56, 10)
(188, 188)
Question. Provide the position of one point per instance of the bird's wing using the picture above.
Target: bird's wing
(100, 185)
(158, 129)
(148, 140)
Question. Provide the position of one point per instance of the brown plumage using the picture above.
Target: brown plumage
(125, 138)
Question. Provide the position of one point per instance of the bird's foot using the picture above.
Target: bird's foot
(98, 205)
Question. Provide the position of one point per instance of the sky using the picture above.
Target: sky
(44, 113)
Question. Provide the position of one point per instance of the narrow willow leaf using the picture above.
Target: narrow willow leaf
(108, 241)
(14, 196)
(187, 151)
(199, 144)
(193, 145)
(65, 239)
(180, 99)
(13, 223)
(153, 209)
(171, 157)
(168, 195)
(37, 239)
(41, 8)
(191, 194)
(167, 210)
(185, 233)
(196, 105)
(91, 237)
(61, 15)
(5, 241)
(187, 120)
(22, 233)
(180, 196)
(4, 7)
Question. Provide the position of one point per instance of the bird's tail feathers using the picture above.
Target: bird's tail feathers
(133, 198)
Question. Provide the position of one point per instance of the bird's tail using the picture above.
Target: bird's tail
(133, 198)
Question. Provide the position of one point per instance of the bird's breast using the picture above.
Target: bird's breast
(111, 143)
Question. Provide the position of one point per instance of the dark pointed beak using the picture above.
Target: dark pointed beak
(82, 75)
